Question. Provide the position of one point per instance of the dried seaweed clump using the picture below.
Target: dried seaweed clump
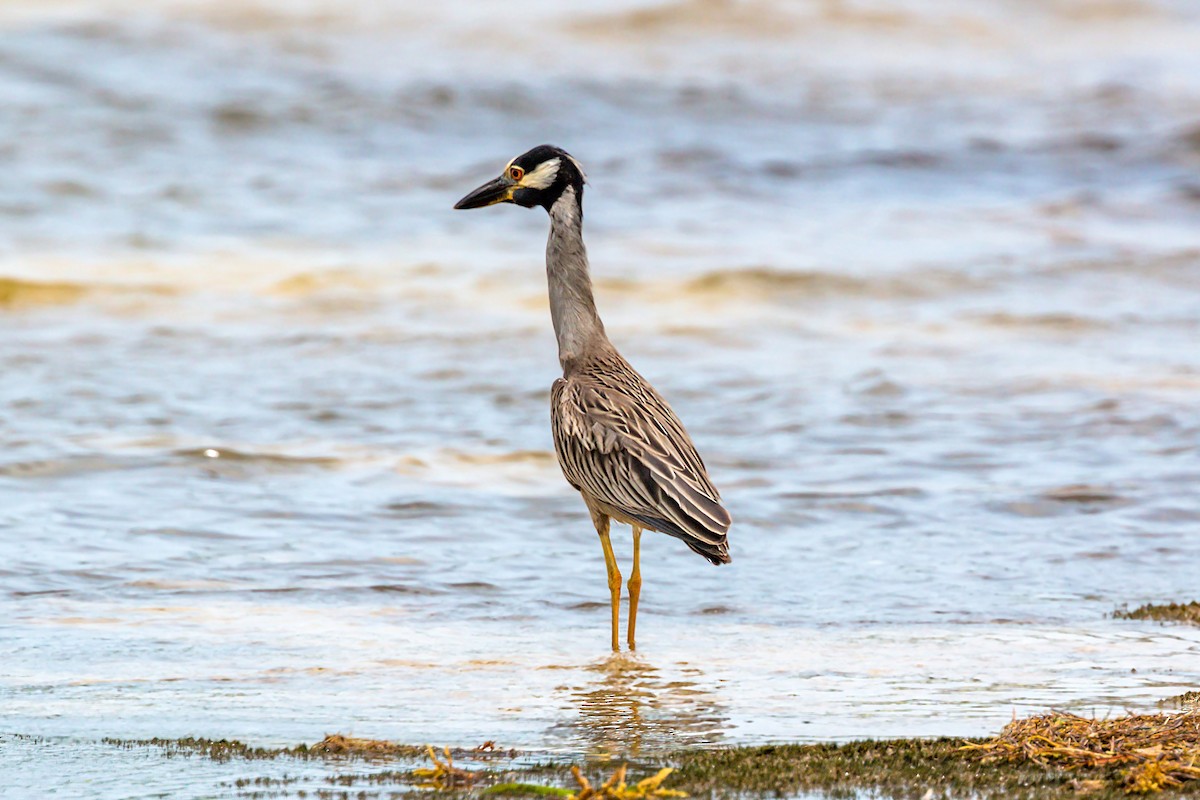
(1143, 752)
(1169, 612)
(615, 787)
(443, 774)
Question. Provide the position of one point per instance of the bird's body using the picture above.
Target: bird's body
(623, 448)
(617, 440)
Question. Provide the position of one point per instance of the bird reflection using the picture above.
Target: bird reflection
(631, 708)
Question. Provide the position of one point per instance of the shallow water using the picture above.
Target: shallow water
(923, 280)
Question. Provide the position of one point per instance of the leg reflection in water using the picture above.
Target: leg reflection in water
(630, 708)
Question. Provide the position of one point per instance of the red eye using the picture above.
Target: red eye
(516, 173)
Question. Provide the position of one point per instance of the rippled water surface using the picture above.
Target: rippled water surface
(922, 278)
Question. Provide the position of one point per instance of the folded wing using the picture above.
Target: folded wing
(619, 441)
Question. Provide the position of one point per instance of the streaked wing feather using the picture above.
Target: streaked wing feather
(619, 441)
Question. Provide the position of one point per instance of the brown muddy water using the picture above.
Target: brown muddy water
(922, 278)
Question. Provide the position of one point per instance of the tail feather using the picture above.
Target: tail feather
(717, 552)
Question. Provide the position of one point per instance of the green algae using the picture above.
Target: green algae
(896, 768)
(526, 790)
(906, 769)
(216, 749)
(334, 745)
(1169, 612)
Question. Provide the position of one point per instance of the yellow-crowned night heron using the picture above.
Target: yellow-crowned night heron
(617, 440)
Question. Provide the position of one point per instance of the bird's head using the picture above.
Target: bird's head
(536, 178)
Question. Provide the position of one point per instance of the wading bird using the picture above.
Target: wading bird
(618, 442)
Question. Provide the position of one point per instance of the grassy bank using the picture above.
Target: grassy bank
(1047, 756)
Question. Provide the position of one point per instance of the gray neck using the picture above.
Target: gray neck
(572, 307)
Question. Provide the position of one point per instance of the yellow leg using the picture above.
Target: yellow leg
(635, 584)
(614, 584)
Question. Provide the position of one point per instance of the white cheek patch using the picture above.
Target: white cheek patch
(541, 176)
